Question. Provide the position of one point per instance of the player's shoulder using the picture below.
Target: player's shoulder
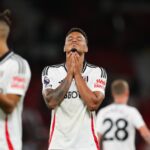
(128, 109)
(105, 109)
(95, 68)
(53, 68)
(17, 61)
(61, 65)
(132, 109)
(18, 58)
(91, 65)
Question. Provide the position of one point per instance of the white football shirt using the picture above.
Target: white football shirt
(72, 124)
(117, 124)
(14, 79)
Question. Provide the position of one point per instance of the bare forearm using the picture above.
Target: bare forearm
(145, 133)
(147, 136)
(147, 139)
(8, 102)
(56, 96)
(90, 98)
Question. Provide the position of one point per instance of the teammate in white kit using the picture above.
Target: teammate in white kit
(117, 122)
(74, 90)
(14, 80)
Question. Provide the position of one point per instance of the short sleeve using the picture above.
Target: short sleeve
(98, 80)
(19, 78)
(137, 119)
(49, 78)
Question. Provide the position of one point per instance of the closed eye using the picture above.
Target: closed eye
(70, 39)
(79, 38)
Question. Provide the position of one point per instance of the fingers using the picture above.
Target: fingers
(73, 55)
(76, 57)
(69, 55)
(69, 59)
(73, 62)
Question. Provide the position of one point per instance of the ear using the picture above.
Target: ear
(64, 49)
(113, 95)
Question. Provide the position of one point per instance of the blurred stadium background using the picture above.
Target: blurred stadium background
(119, 40)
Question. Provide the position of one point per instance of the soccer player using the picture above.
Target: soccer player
(117, 122)
(73, 91)
(14, 80)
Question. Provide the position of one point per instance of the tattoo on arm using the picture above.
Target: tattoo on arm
(55, 97)
(60, 92)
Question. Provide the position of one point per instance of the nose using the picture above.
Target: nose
(74, 40)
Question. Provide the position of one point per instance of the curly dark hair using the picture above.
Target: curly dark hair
(5, 16)
(78, 30)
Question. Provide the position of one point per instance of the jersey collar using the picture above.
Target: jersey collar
(84, 66)
(6, 55)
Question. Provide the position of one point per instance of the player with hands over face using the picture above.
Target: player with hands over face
(73, 91)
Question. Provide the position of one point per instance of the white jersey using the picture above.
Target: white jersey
(14, 79)
(117, 124)
(72, 124)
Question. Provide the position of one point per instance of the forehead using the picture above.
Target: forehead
(75, 34)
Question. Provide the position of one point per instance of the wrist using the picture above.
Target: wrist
(77, 75)
(70, 76)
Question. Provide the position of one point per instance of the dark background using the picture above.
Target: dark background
(119, 40)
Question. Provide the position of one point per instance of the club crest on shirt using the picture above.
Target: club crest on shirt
(46, 80)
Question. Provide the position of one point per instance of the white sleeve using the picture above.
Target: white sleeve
(137, 119)
(98, 80)
(49, 78)
(19, 78)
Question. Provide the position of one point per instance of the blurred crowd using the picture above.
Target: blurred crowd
(118, 32)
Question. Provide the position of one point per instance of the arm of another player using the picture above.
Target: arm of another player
(100, 140)
(140, 125)
(145, 133)
(17, 86)
(8, 102)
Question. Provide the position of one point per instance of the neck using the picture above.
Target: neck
(121, 100)
(3, 48)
